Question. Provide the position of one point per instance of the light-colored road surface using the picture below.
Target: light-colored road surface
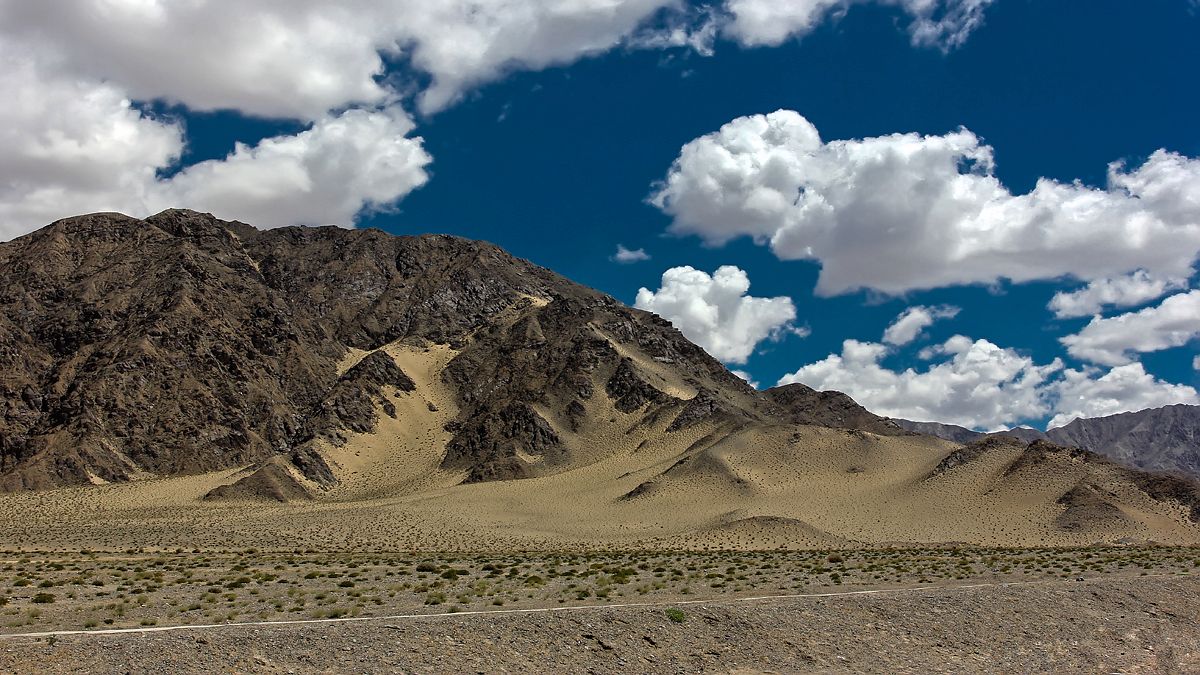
(549, 610)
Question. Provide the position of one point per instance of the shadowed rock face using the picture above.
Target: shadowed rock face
(1157, 439)
(181, 344)
(805, 405)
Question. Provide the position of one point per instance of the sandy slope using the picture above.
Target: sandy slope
(630, 484)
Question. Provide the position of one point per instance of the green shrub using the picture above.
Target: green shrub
(676, 615)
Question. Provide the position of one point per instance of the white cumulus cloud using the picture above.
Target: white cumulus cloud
(626, 256)
(302, 58)
(1081, 393)
(322, 176)
(1113, 341)
(913, 320)
(1125, 291)
(905, 212)
(715, 312)
(980, 386)
(73, 142)
(944, 23)
(70, 146)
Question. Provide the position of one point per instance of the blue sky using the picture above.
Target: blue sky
(555, 150)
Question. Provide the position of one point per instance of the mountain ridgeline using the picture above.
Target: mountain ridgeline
(1156, 439)
(181, 344)
(446, 391)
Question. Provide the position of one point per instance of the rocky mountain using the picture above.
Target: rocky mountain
(1157, 439)
(805, 405)
(181, 344)
(372, 386)
(950, 432)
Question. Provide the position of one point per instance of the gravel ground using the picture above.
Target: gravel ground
(1146, 624)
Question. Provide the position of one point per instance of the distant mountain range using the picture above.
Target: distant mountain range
(1157, 439)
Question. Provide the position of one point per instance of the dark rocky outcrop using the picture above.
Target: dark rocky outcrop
(805, 405)
(629, 391)
(181, 344)
(1158, 439)
(271, 482)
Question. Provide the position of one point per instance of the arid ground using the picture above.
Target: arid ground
(1127, 621)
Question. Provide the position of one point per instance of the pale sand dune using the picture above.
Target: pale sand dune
(708, 486)
(403, 454)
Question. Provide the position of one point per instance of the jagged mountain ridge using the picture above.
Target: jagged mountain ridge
(407, 380)
(182, 343)
(1155, 439)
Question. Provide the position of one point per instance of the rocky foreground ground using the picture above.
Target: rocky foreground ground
(1111, 624)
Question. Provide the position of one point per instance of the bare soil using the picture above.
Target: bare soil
(1111, 624)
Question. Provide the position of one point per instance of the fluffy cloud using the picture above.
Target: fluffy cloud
(1111, 341)
(716, 313)
(1124, 291)
(980, 386)
(913, 320)
(357, 160)
(69, 146)
(72, 141)
(303, 58)
(1196, 363)
(1122, 389)
(626, 256)
(983, 386)
(929, 206)
(72, 146)
(945, 23)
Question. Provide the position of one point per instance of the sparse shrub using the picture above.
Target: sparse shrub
(44, 598)
(676, 615)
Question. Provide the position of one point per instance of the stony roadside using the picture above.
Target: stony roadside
(1128, 625)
